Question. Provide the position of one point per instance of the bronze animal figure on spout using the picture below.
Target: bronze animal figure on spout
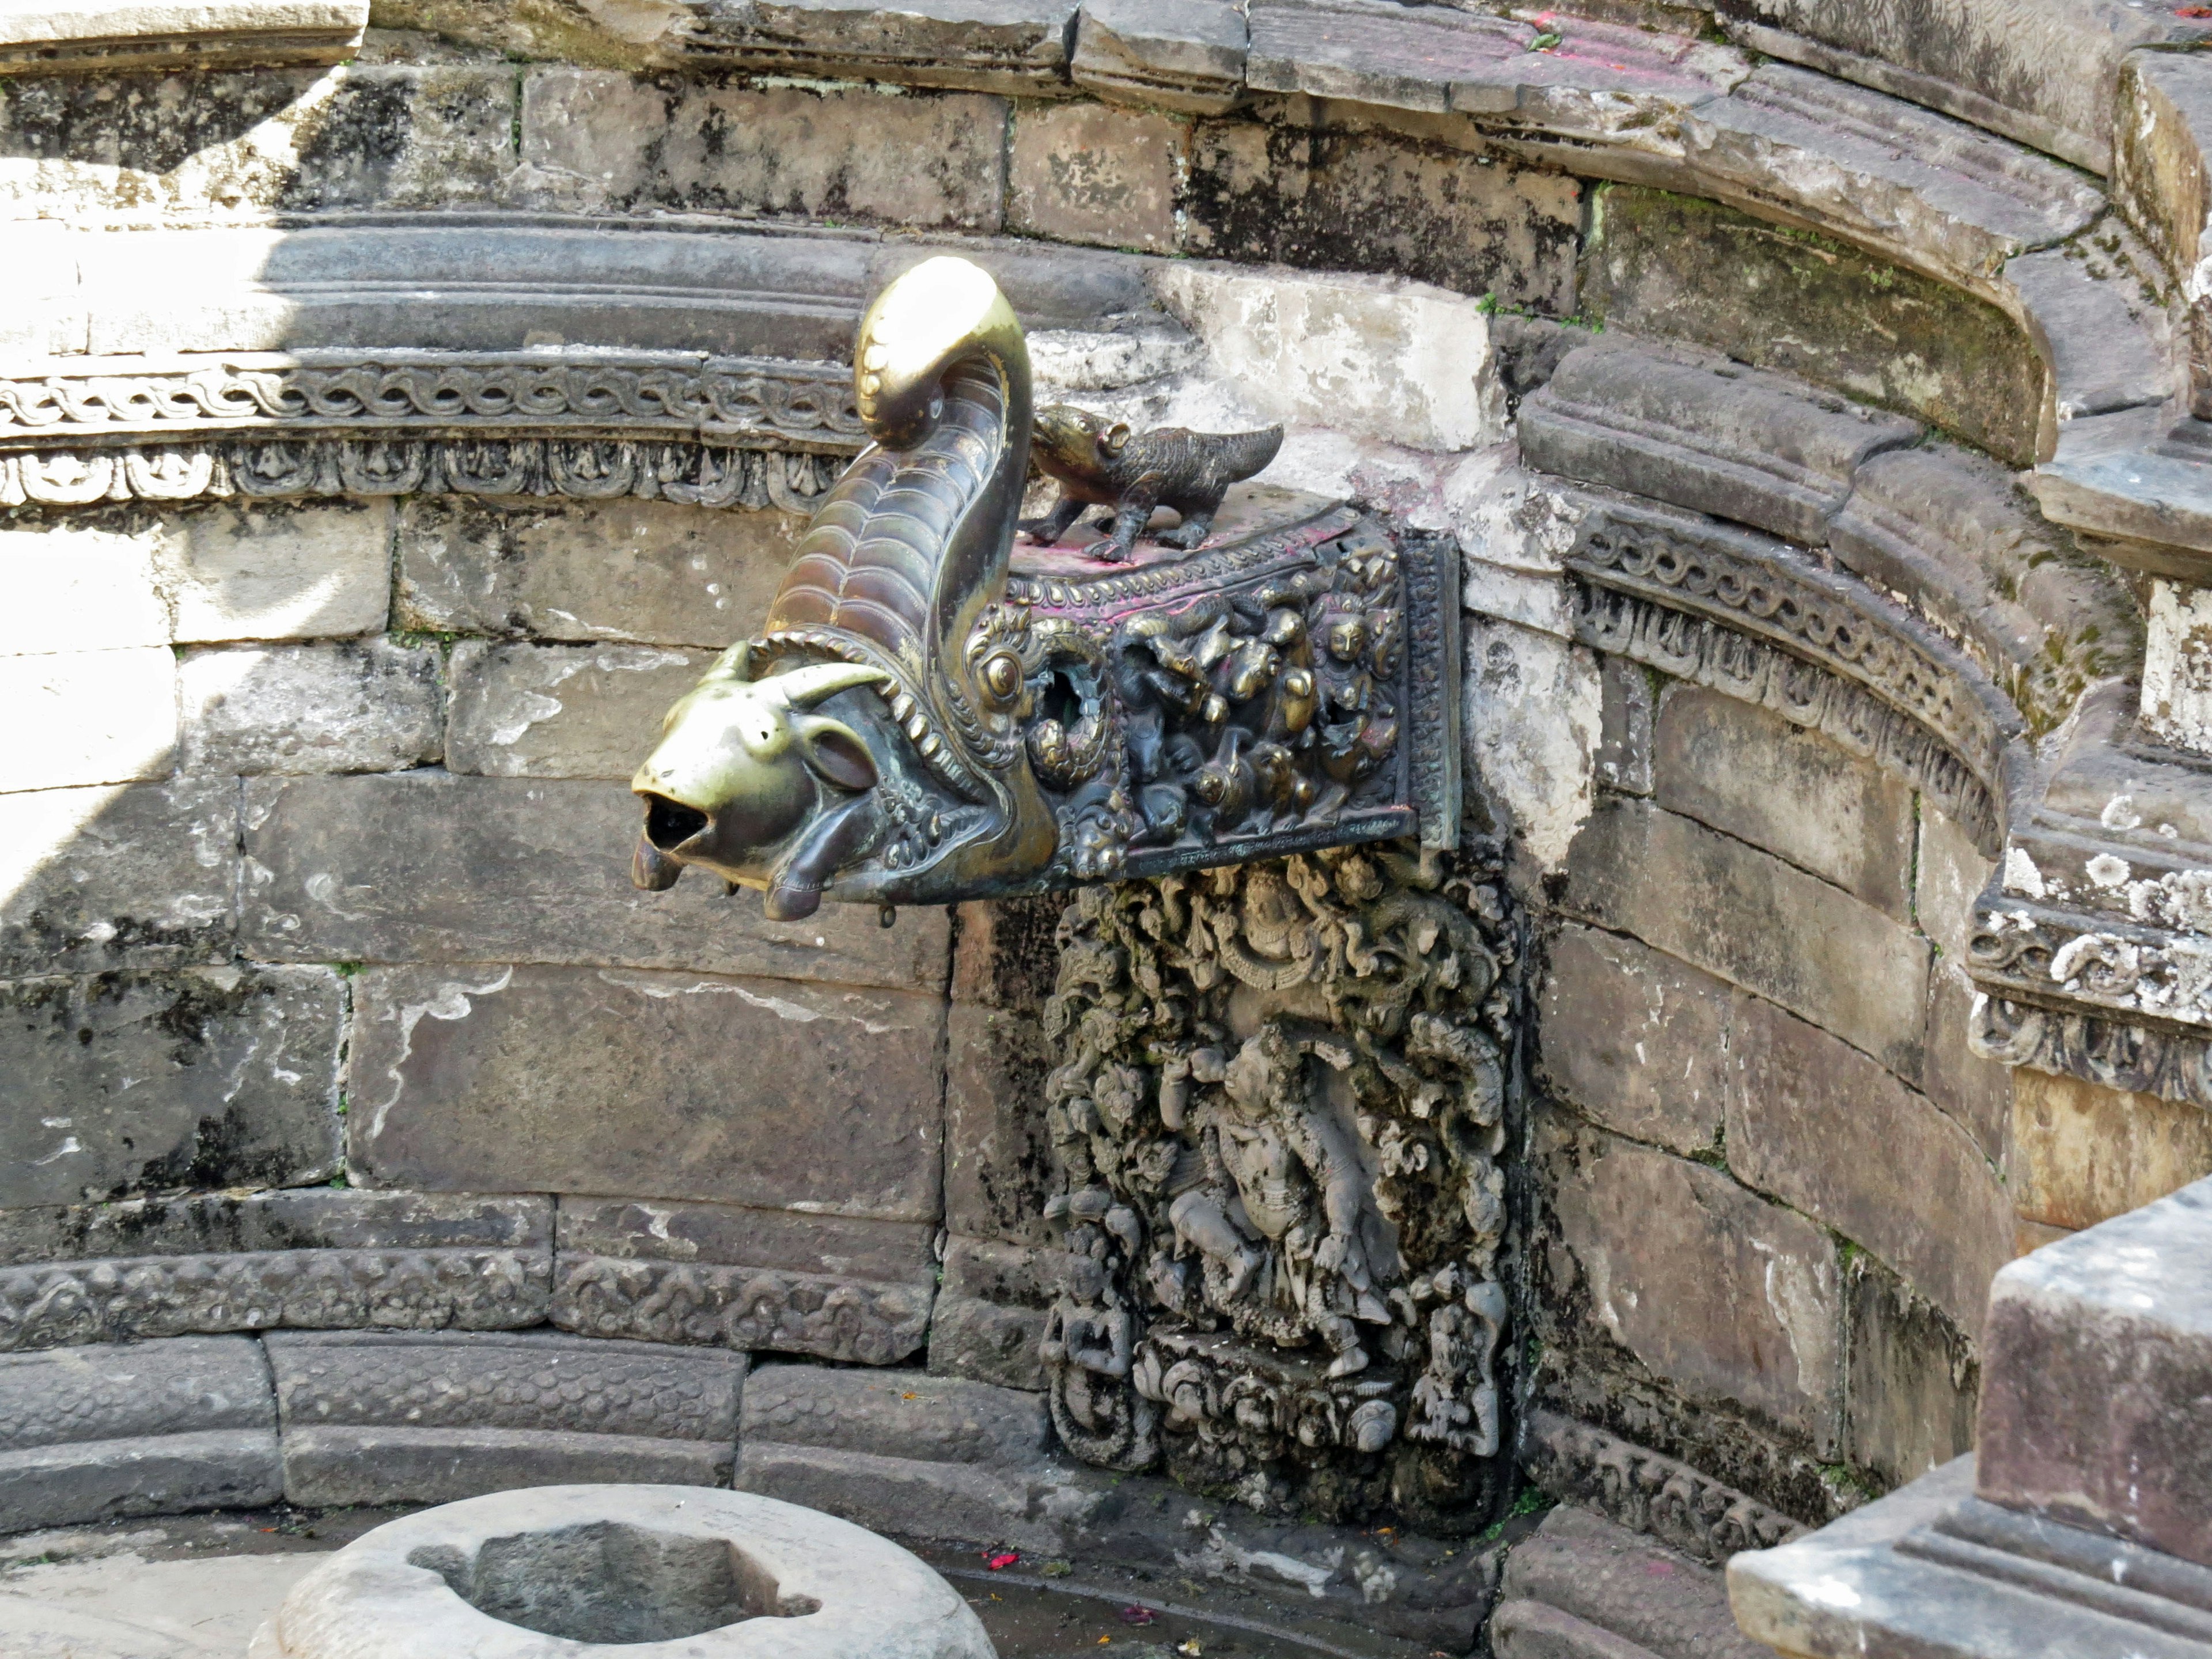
(925, 718)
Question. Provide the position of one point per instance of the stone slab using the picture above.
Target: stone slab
(1749, 773)
(2103, 337)
(1913, 1382)
(295, 1218)
(375, 706)
(280, 140)
(721, 1275)
(112, 1392)
(139, 876)
(1717, 438)
(1636, 1040)
(765, 1092)
(430, 867)
(331, 1467)
(1092, 173)
(123, 34)
(1624, 752)
(986, 1341)
(912, 1497)
(1726, 1297)
(560, 711)
(2082, 1153)
(1756, 922)
(1533, 1630)
(625, 143)
(100, 1481)
(207, 1078)
(896, 1414)
(1635, 1592)
(88, 717)
(640, 573)
(1533, 717)
(1359, 200)
(2041, 71)
(1955, 540)
(277, 571)
(1185, 55)
(2165, 115)
(999, 45)
(2094, 1409)
(998, 1162)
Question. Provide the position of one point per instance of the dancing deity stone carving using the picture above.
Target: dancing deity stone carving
(1278, 1130)
(926, 718)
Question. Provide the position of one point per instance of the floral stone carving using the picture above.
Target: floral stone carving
(1278, 1130)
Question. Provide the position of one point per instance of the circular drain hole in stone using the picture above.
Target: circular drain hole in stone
(607, 1582)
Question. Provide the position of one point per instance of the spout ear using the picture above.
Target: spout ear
(802, 688)
(835, 749)
(731, 664)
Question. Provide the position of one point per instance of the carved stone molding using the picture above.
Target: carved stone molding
(131, 1297)
(688, 474)
(856, 1320)
(1577, 1463)
(1756, 619)
(108, 35)
(1278, 1131)
(672, 426)
(2141, 1059)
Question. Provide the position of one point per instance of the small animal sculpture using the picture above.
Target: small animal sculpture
(1102, 464)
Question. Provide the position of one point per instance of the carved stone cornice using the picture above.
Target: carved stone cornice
(680, 425)
(108, 35)
(1577, 1463)
(1757, 619)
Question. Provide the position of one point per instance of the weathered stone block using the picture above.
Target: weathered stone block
(1976, 1093)
(762, 1092)
(371, 1417)
(2158, 153)
(75, 586)
(142, 876)
(941, 1419)
(1091, 173)
(217, 1077)
(998, 1160)
(339, 1466)
(2094, 1409)
(1913, 1379)
(137, 1390)
(560, 711)
(1346, 200)
(1749, 773)
(1723, 1295)
(1823, 1127)
(427, 866)
(841, 1289)
(88, 717)
(1639, 1041)
(2082, 1153)
(1380, 358)
(1756, 922)
(1623, 749)
(1710, 436)
(279, 572)
(395, 137)
(98, 1481)
(1185, 55)
(841, 153)
(370, 707)
(990, 1312)
(640, 572)
(1629, 1595)
(1533, 719)
(999, 45)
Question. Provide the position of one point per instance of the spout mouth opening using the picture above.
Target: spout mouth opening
(670, 823)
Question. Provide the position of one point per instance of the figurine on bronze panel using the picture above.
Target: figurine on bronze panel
(1101, 463)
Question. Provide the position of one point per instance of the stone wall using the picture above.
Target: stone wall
(335, 1004)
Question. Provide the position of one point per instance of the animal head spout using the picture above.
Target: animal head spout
(739, 770)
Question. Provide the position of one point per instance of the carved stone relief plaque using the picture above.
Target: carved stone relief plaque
(1278, 1128)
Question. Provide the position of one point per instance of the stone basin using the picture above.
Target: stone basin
(663, 1572)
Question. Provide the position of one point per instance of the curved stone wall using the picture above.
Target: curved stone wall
(355, 430)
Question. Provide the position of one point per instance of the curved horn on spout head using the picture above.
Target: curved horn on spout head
(803, 688)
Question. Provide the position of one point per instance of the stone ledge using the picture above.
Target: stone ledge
(187, 1385)
(94, 1481)
(987, 46)
(1582, 1588)
(1186, 55)
(337, 1467)
(64, 37)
